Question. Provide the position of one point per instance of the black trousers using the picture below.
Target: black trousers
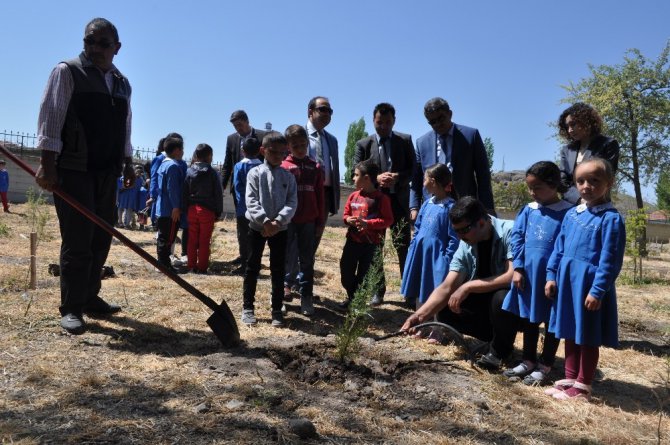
(84, 246)
(531, 334)
(277, 245)
(401, 234)
(167, 232)
(242, 228)
(354, 264)
(483, 317)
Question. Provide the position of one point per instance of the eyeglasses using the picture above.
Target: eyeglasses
(324, 109)
(104, 44)
(466, 229)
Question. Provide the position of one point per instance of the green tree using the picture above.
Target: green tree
(634, 101)
(488, 145)
(663, 191)
(356, 133)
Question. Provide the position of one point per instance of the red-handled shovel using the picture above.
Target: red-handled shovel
(222, 321)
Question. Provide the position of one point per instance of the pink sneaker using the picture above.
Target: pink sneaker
(578, 391)
(559, 387)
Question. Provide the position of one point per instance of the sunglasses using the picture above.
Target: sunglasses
(104, 44)
(324, 109)
(466, 229)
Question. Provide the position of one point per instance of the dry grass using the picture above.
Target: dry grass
(137, 377)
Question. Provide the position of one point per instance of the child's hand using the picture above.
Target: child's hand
(518, 280)
(361, 224)
(550, 289)
(592, 303)
(351, 220)
(176, 214)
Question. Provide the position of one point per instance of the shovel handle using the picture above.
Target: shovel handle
(104, 225)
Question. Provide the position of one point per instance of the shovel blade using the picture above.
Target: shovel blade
(222, 323)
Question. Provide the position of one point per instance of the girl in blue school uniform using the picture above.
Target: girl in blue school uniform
(535, 230)
(581, 272)
(434, 242)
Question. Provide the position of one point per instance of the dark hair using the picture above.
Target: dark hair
(295, 131)
(607, 167)
(312, 102)
(368, 168)
(100, 23)
(384, 109)
(436, 104)
(272, 138)
(202, 151)
(160, 147)
(440, 173)
(467, 209)
(251, 148)
(171, 144)
(584, 114)
(549, 173)
(239, 115)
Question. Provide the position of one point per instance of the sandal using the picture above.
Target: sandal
(560, 386)
(520, 370)
(538, 376)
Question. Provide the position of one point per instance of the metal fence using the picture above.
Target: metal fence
(18, 142)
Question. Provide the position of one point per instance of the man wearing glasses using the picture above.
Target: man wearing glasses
(459, 147)
(480, 274)
(84, 135)
(323, 149)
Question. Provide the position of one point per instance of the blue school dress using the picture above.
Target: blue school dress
(128, 196)
(535, 230)
(587, 259)
(430, 251)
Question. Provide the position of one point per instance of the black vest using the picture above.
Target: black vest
(94, 134)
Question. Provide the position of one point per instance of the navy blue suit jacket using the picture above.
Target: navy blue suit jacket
(470, 166)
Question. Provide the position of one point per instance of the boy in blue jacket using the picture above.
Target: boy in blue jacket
(170, 178)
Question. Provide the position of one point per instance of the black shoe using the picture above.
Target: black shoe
(238, 271)
(377, 299)
(98, 306)
(489, 361)
(410, 303)
(237, 260)
(73, 323)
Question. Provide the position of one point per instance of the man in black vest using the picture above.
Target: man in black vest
(84, 134)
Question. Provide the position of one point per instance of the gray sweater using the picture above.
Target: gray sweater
(271, 195)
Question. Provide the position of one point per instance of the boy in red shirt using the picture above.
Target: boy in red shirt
(368, 214)
(309, 215)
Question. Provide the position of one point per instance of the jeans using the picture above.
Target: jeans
(277, 246)
(299, 257)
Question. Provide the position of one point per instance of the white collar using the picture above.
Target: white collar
(557, 206)
(595, 209)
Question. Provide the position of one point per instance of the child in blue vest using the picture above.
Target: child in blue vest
(535, 230)
(581, 272)
(250, 152)
(4, 185)
(170, 179)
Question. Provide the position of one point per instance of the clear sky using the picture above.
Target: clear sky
(500, 64)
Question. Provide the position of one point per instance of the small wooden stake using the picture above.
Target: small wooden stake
(33, 260)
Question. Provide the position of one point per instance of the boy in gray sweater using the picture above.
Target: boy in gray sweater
(271, 199)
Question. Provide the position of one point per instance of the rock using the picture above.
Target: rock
(302, 428)
(202, 408)
(366, 341)
(234, 404)
(420, 389)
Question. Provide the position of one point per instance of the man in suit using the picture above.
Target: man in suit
(394, 153)
(323, 149)
(234, 143)
(459, 147)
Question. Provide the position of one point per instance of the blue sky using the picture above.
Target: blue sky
(499, 64)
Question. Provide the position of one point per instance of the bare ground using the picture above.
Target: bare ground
(156, 374)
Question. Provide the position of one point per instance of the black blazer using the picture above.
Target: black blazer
(600, 147)
(402, 161)
(233, 155)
